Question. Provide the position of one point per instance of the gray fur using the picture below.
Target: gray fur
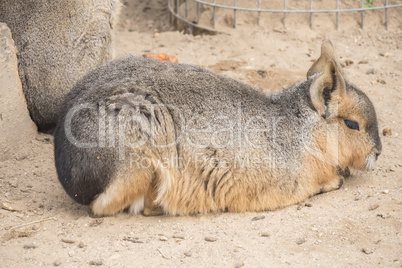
(127, 88)
(58, 42)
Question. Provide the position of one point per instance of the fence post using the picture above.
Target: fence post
(214, 15)
(337, 15)
(235, 14)
(386, 15)
(311, 14)
(362, 25)
(284, 13)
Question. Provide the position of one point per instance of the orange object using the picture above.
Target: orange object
(156, 56)
(172, 59)
(160, 56)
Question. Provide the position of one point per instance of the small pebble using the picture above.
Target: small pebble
(239, 264)
(363, 62)
(133, 239)
(163, 238)
(300, 241)
(96, 262)
(348, 62)
(386, 54)
(384, 216)
(210, 239)
(6, 206)
(300, 206)
(179, 236)
(264, 234)
(257, 218)
(279, 30)
(387, 132)
(30, 246)
(386, 191)
(96, 222)
(68, 241)
(57, 263)
(188, 254)
(71, 253)
(14, 184)
(371, 71)
(262, 73)
(81, 245)
(373, 207)
(381, 81)
(114, 257)
(367, 251)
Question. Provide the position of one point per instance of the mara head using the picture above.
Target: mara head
(348, 110)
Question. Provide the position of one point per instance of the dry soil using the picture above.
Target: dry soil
(359, 225)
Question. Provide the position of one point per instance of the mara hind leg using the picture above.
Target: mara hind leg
(150, 207)
(127, 188)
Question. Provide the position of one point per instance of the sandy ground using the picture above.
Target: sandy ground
(359, 225)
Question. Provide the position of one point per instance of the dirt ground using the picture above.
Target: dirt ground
(359, 225)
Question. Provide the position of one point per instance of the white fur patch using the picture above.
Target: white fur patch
(137, 206)
(165, 181)
(103, 200)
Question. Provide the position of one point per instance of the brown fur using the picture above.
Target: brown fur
(311, 154)
(124, 191)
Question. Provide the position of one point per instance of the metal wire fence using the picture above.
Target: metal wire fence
(180, 10)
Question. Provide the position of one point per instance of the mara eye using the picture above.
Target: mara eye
(352, 124)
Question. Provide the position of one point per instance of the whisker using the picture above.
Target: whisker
(369, 162)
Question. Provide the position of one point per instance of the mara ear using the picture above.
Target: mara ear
(327, 53)
(327, 87)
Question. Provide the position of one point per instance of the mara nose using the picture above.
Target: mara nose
(377, 155)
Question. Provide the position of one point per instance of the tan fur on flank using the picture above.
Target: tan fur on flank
(210, 143)
(124, 191)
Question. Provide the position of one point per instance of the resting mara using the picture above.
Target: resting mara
(159, 137)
